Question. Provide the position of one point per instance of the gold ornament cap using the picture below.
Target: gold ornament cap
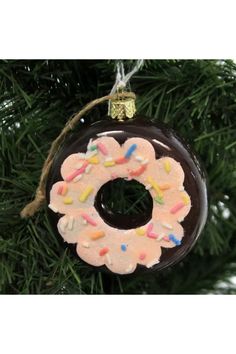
(122, 108)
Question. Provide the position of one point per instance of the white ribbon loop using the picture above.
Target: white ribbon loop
(121, 78)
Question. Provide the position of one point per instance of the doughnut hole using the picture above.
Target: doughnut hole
(124, 204)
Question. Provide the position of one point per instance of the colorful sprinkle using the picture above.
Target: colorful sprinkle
(121, 160)
(71, 223)
(77, 172)
(109, 163)
(149, 228)
(174, 239)
(123, 247)
(145, 162)
(166, 238)
(148, 186)
(140, 231)
(76, 179)
(67, 200)
(88, 168)
(93, 160)
(139, 158)
(59, 190)
(167, 166)
(167, 226)
(130, 151)
(155, 186)
(88, 219)
(53, 208)
(92, 147)
(152, 263)
(152, 235)
(85, 244)
(142, 256)
(86, 194)
(62, 190)
(160, 237)
(186, 199)
(138, 171)
(177, 207)
(97, 234)
(103, 251)
(102, 148)
(159, 200)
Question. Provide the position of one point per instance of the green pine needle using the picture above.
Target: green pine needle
(197, 98)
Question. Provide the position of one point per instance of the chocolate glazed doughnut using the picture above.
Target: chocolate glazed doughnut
(186, 217)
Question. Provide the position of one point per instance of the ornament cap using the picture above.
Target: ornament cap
(122, 108)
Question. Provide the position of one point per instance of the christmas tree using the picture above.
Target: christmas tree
(197, 98)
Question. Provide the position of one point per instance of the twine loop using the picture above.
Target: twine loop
(40, 195)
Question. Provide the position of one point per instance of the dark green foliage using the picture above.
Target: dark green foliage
(196, 98)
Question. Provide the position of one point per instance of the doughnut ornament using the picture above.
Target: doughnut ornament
(128, 151)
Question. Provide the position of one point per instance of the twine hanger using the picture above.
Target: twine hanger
(121, 81)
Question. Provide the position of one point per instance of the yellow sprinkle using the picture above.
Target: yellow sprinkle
(93, 160)
(64, 189)
(186, 199)
(164, 187)
(155, 186)
(109, 163)
(85, 194)
(140, 231)
(167, 166)
(68, 200)
(97, 234)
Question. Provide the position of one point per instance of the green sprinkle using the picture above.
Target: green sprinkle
(159, 200)
(93, 147)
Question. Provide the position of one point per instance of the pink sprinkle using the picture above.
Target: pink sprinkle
(166, 238)
(103, 251)
(88, 219)
(102, 148)
(77, 172)
(149, 228)
(177, 207)
(60, 189)
(152, 235)
(142, 256)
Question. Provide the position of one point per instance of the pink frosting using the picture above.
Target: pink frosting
(100, 244)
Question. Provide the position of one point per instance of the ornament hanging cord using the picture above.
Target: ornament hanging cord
(121, 82)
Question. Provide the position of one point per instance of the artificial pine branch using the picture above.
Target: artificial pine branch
(196, 98)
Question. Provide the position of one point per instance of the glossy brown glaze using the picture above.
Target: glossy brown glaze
(166, 143)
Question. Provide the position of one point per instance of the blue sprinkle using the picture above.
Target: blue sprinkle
(130, 151)
(174, 239)
(123, 247)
